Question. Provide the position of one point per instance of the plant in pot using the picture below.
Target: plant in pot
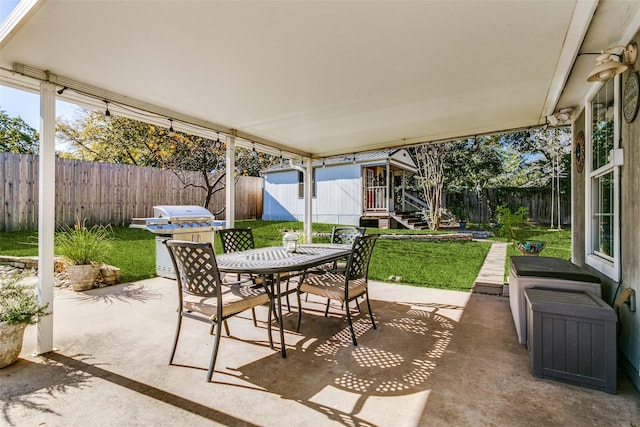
(461, 214)
(509, 222)
(84, 249)
(19, 307)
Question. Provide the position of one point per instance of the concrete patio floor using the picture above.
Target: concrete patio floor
(437, 358)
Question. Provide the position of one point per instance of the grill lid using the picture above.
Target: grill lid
(182, 212)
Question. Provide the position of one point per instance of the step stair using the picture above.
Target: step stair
(411, 220)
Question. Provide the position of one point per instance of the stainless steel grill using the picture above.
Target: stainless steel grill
(182, 222)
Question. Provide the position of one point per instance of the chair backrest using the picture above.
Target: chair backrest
(346, 235)
(236, 239)
(195, 266)
(358, 263)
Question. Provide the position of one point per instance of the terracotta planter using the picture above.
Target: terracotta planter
(10, 342)
(82, 277)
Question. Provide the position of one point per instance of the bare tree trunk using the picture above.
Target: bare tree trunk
(430, 159)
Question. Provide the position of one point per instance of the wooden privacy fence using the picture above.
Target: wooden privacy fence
(106, 193)
(537, 203)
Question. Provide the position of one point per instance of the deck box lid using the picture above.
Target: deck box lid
(579, 304)
(556, 268)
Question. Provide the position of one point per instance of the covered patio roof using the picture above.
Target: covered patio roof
(311, 78)
(321, 78)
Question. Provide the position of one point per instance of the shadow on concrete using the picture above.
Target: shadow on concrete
(333, 377)
(30, 382)
(82, 369)
(126, 292)
(437, 358)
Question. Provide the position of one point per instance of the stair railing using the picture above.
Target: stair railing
(414, 202)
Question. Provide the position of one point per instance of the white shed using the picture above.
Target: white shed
(347, 190)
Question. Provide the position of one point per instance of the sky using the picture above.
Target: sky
(19, 103)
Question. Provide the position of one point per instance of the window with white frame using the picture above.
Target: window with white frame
(602, 181)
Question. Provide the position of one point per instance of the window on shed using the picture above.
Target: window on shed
(301, 184)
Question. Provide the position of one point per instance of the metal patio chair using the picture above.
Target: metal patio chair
(347, 286)
(237, 240)
(344, 236)
(204, 296)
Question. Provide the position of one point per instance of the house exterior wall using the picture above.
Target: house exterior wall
(629, 338)
(578, 200)
(338, 197)
(629, 322)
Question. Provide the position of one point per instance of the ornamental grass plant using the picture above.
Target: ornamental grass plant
(82, 245)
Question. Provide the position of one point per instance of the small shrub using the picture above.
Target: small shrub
(509, 221)
(18, 302)
(81, 245)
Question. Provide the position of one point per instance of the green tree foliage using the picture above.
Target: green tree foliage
(541, 154)
(123, 140)
(120, 140)
(16, 136)
(527, 159)
(473, 163)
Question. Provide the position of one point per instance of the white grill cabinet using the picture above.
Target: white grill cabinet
(545, 272)
(179, 222)
(572, 338)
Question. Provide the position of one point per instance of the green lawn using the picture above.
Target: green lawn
(447, 265)
(133, 250)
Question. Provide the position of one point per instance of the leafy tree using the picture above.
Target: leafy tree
(472, 165)
(120, 140)
(16, 136)
(123, 140)
(543, 154)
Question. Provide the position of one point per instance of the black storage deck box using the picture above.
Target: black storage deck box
(571, 337)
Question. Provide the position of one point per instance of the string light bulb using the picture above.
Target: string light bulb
(107, 113)
(172, 133)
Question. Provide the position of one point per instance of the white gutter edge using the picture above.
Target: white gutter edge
(580, 22)
(16, 19)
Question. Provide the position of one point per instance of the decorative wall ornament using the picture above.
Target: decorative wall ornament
(630, 98)
(578, 152)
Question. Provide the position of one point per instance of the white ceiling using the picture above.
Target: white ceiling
(330, 77)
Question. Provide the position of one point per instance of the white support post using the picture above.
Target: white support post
(308, 198)
(230, 183)
(46, 212)
(389, 191)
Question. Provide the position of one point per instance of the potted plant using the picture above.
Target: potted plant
(461, 214)
(84, 249)
(509, 222)
(18, 308)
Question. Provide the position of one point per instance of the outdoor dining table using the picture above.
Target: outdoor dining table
(272, 262)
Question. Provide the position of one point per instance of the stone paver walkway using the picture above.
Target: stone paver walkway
(490, 280)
